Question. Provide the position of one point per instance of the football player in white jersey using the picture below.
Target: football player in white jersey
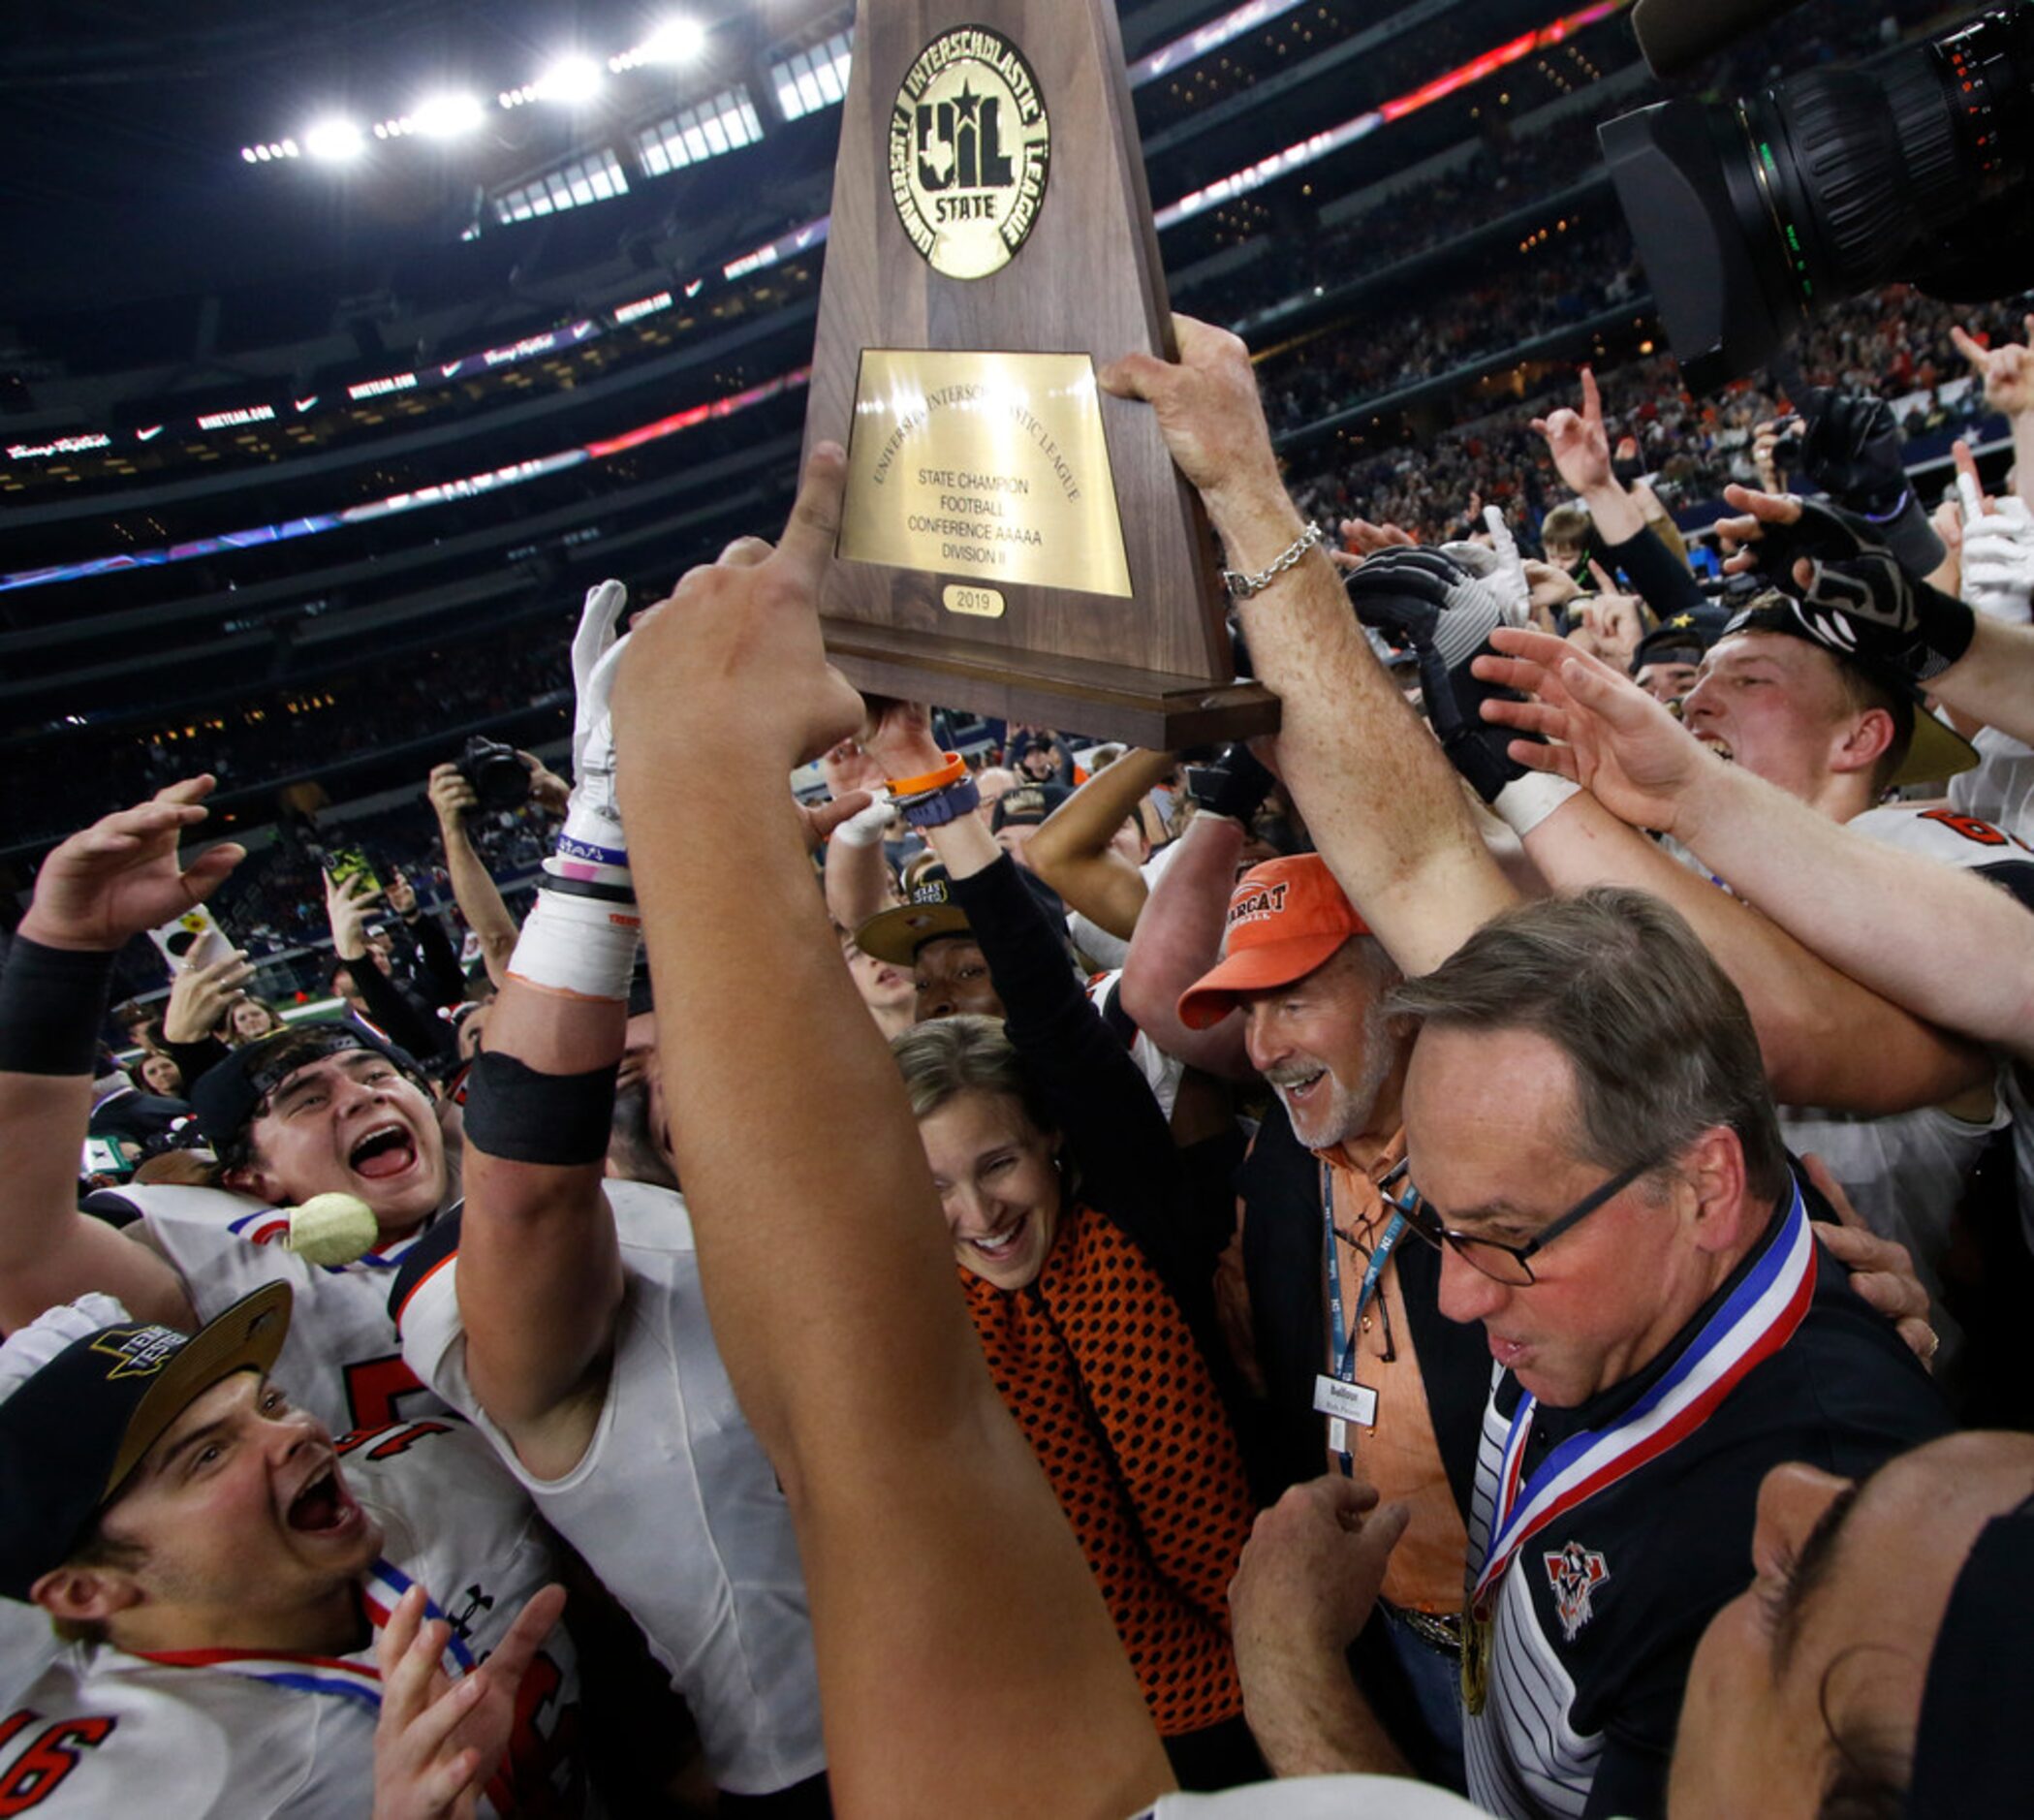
(569, 1324)
(220, 1581)
(1896, 909)
(314, 1111)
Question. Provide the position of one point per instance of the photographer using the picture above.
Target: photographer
(363, 974)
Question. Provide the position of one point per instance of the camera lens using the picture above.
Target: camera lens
(1750, 217)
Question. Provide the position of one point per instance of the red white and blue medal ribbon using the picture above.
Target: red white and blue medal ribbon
(381, 1587)
(270, 1226)
(1759, 1318)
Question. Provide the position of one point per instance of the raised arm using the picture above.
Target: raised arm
(1178, 938)
(1072, 851)
(1856, 598)
(794, 1141)
(1937, 940)
(117, 878)
(1377, 794)
(1581, 447)
(347, 903)
(1826, 1039)
(859, 881)
(473, 886)
(2008, 373)
(540, 1268)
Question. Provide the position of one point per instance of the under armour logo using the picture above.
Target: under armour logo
(462, 1620)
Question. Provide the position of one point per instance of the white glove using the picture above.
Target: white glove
(1508, 579)
(572, 942)
(1997, 566)
(591, 845)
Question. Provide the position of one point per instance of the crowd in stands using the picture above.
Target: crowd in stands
(277, 736)
(1467, 1255)
(1893, 344)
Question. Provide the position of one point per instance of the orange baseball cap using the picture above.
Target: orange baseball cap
(1286, 918)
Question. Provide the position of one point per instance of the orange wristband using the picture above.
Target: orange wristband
(950, 773)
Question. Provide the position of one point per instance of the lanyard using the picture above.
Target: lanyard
(1342, 1334)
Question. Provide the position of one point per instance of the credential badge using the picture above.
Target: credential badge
(969, 147)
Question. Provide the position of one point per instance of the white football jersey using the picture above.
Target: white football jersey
(222, 1735)
(1906, 1173)
(674, 1505)
(342, 1361)
(1945, 834)
(2001, 789)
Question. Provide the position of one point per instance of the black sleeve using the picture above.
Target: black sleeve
(1094, 1092)
(438, 966)
(193, 1058)
(111, 1207)
(426, 1038)
(2016, 876)
(1663, 582)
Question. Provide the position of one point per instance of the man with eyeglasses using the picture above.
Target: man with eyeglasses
(1592, 1147)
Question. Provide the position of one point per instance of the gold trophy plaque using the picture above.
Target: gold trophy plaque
(1013, 540)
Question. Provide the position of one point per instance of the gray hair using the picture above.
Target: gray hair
(949, 1056)
(1659, 1038)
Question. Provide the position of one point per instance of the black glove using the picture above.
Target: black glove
(1235, 784)
(1421, 599)
(1818, 535)
(1852, 449)
(1868, 606)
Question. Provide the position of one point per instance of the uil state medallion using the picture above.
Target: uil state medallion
(970, 147)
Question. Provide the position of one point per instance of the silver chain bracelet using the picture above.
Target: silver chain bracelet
(1241, 586)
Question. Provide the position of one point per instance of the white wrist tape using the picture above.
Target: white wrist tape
(586, 946)
(868, 826)
(1526, 801)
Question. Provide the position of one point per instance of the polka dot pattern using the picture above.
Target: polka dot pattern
(1099, 1368)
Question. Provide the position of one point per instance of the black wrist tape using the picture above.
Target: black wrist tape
(522, 1117)
(51, 1000)
(586, 887)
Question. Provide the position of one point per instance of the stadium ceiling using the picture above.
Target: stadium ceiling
(123, 122)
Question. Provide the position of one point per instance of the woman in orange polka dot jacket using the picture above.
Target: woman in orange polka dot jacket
(1089, 1288)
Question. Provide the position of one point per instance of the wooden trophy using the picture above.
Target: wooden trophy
(1013, 540)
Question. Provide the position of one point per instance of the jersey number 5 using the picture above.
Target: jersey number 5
(372, 1387)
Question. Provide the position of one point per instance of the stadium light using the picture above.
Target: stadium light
(572, 81)
(675, 40)
(334, 140)
(445, 117)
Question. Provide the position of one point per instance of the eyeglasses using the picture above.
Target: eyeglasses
(1501, 1263)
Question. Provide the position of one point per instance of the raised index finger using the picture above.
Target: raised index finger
(807, 543)
(1968, 346)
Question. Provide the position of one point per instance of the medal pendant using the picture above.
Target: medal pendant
(1479, 1633)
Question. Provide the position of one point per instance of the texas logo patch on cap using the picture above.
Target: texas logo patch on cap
(140, 1352)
